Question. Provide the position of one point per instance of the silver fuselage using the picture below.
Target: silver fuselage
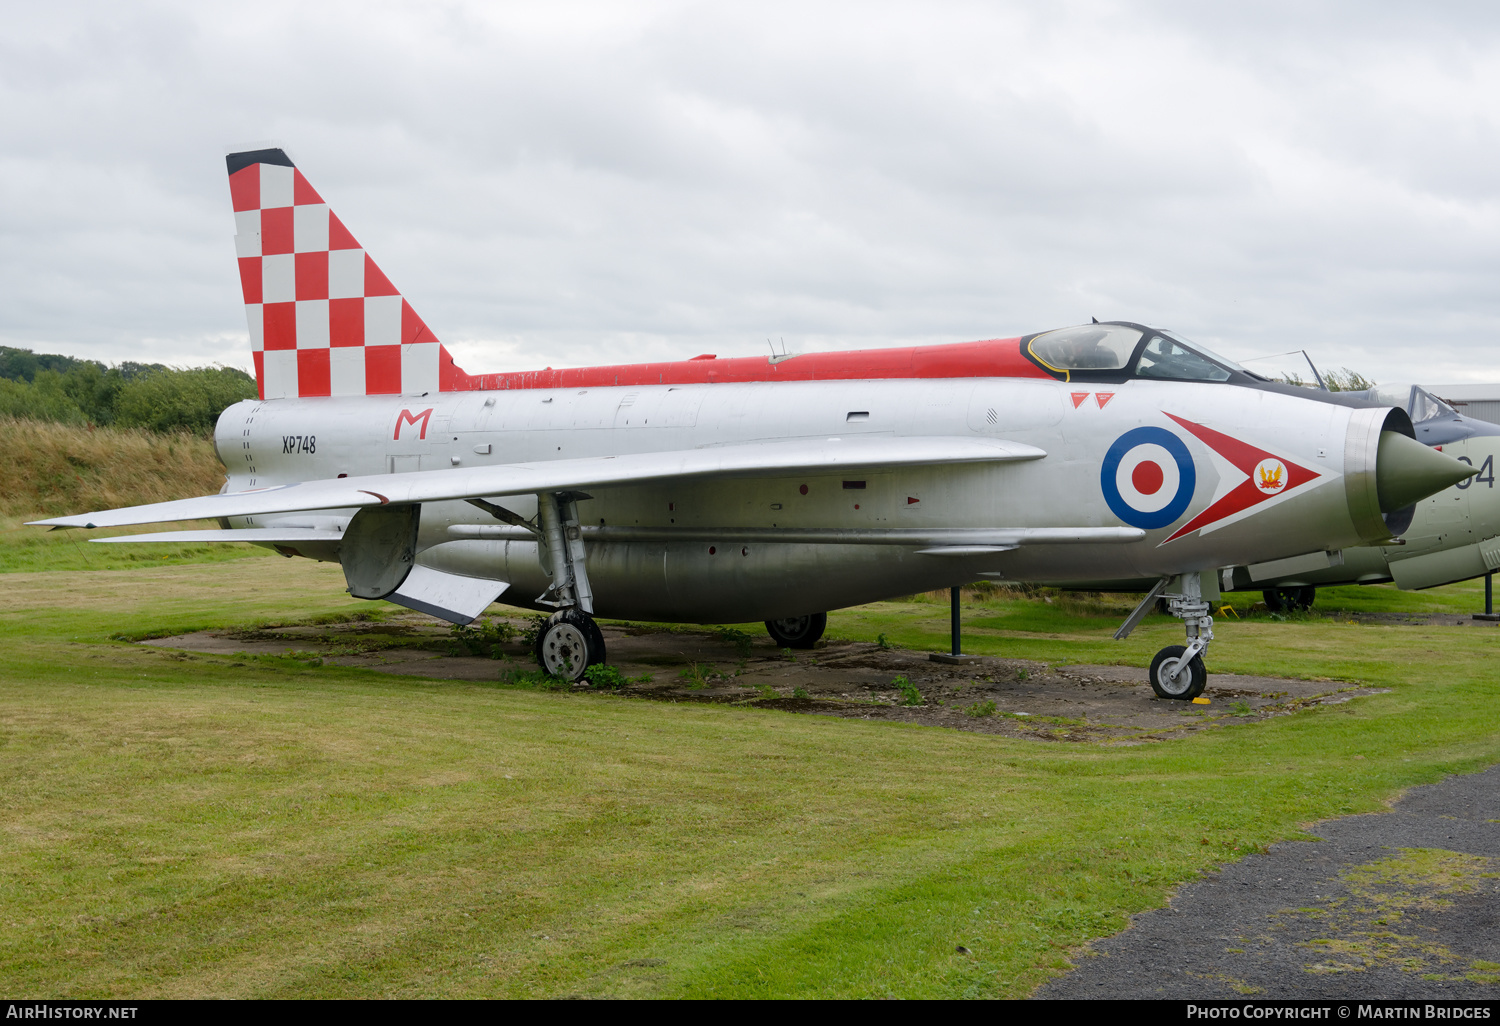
(268, 443)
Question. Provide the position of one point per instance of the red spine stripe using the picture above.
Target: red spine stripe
(997, 358)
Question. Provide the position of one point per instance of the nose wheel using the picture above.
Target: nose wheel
(569, 644)
(1173, 676)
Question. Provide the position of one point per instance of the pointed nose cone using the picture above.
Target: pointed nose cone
(1406, 471)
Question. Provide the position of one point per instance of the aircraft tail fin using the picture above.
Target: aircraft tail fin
(324, 320)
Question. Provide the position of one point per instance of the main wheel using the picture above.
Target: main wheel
(798, 631)
(1190, 680)
(1287, 600)
(569, 644)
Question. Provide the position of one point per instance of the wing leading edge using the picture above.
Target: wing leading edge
(940, 541)
(755, 459)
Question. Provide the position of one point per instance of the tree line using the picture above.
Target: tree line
(65, 390)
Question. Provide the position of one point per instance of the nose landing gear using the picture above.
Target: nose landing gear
(1177, 671)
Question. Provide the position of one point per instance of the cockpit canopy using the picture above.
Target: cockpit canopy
(1117, 350)
(1087, 347)
(1414, 399)
(1435, 422)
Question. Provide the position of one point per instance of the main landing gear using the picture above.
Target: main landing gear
(797, 631)
(1177, 671)
(570, 641)
(1287, 600)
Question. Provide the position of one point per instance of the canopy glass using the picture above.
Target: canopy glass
(1120, 348)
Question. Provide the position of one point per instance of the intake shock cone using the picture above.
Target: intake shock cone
(1406, 471)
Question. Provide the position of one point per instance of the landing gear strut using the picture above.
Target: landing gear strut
(570, 641)
(1178, 672)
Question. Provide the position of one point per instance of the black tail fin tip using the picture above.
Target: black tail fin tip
(239, 161)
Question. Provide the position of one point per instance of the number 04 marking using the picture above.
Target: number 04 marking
(1486, 474)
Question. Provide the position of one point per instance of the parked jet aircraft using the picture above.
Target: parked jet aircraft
(1454, 535)
(714, 491)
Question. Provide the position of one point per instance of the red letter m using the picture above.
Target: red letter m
(407, 418)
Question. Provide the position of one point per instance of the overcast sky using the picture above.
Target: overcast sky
(563, 184)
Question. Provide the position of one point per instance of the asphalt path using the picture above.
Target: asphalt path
(1396, 905)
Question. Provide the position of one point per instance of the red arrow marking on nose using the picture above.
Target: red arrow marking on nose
(1244, 457)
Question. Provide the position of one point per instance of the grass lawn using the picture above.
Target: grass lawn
(24, 549)
(179, 825)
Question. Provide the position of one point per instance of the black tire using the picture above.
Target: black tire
(1273, 600)
(1181, 689)
(1307, 596)
(797, 631)
(569, 645)
(596, 640)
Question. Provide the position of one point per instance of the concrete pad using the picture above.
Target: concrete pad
(1009, 697)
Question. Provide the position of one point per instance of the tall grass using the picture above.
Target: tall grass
(52, 469)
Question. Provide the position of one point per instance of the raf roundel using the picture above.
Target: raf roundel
(1148, 477)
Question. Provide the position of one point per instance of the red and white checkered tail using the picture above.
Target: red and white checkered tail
(323, 318)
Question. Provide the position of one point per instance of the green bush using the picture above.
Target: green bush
(741, 641)
(482, 638)
(695, 676)
(181, 400)
(61, 389)
(909, 693)
(44, 399)
(609, 678)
